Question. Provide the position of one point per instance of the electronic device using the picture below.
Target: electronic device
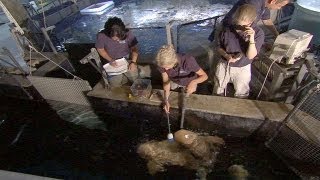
(290, 45)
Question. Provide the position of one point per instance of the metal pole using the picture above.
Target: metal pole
(183, 106)
(169, 33)
(178, 38)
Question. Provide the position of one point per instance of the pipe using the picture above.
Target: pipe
(183, 107)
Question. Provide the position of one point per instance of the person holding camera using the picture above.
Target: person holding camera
(238, 45)
(262, 7)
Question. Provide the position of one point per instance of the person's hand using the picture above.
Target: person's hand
(133, 67)
(231, 59)
(166, 106)
(237, 56)
(250, 32)
(114, 63)
(191, 88)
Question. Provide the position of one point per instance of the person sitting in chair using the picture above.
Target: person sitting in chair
(115, 42)
(178, 70)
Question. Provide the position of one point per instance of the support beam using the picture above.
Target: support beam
(15, 12)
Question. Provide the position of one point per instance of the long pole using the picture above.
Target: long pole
(10, 17)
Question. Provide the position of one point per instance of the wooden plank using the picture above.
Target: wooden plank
(49, 66)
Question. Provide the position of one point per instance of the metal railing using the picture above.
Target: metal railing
(297, 140)
(183, 28)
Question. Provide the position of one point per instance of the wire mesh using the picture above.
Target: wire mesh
(297, 141)
(263, 68)
(66, 90)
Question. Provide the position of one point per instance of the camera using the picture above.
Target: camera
(239, 27)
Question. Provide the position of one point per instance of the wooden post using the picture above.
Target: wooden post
(46, 36)
(11, 18)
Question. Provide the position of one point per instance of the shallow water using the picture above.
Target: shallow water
(140, 14)
(147, 19)
(53, 147)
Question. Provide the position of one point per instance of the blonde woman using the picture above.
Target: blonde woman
(178, 70)
(238, 45)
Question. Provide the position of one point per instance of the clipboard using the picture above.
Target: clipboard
(121, 68)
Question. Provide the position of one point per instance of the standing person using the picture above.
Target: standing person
(262, 7)
(115, 42)
(178, 70)
(238, 44)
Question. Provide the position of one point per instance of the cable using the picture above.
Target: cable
(224, 79)
(43, 15)
(168, 121)
(276, 59)
(30, 62)
(264, 81)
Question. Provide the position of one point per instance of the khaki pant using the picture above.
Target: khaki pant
(174, 85)
(119, 80)
(239, 76)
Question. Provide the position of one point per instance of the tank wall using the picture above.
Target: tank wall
(308, 21)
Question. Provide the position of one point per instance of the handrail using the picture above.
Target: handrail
(192, 22)
(214, 17)
(150, 27)
(50, 3)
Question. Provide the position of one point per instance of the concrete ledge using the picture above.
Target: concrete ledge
(233, 107)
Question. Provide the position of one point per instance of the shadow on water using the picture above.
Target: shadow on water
(50, 146)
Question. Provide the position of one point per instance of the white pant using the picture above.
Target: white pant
(239, 76)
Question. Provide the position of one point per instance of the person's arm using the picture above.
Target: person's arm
(269, 24)
(227, 57)
(134, 57)
(100, 46)
(107, 57)
(192, 86)
(252, 50)
(221, 48)
(224, 54)
(134, 53)
(166, 91)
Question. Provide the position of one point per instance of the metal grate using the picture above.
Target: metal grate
(297, 141)
(263, 68)
(66, 90)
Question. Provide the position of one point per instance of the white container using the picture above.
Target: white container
(306, 17)
(98, 8)
(141, 88)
